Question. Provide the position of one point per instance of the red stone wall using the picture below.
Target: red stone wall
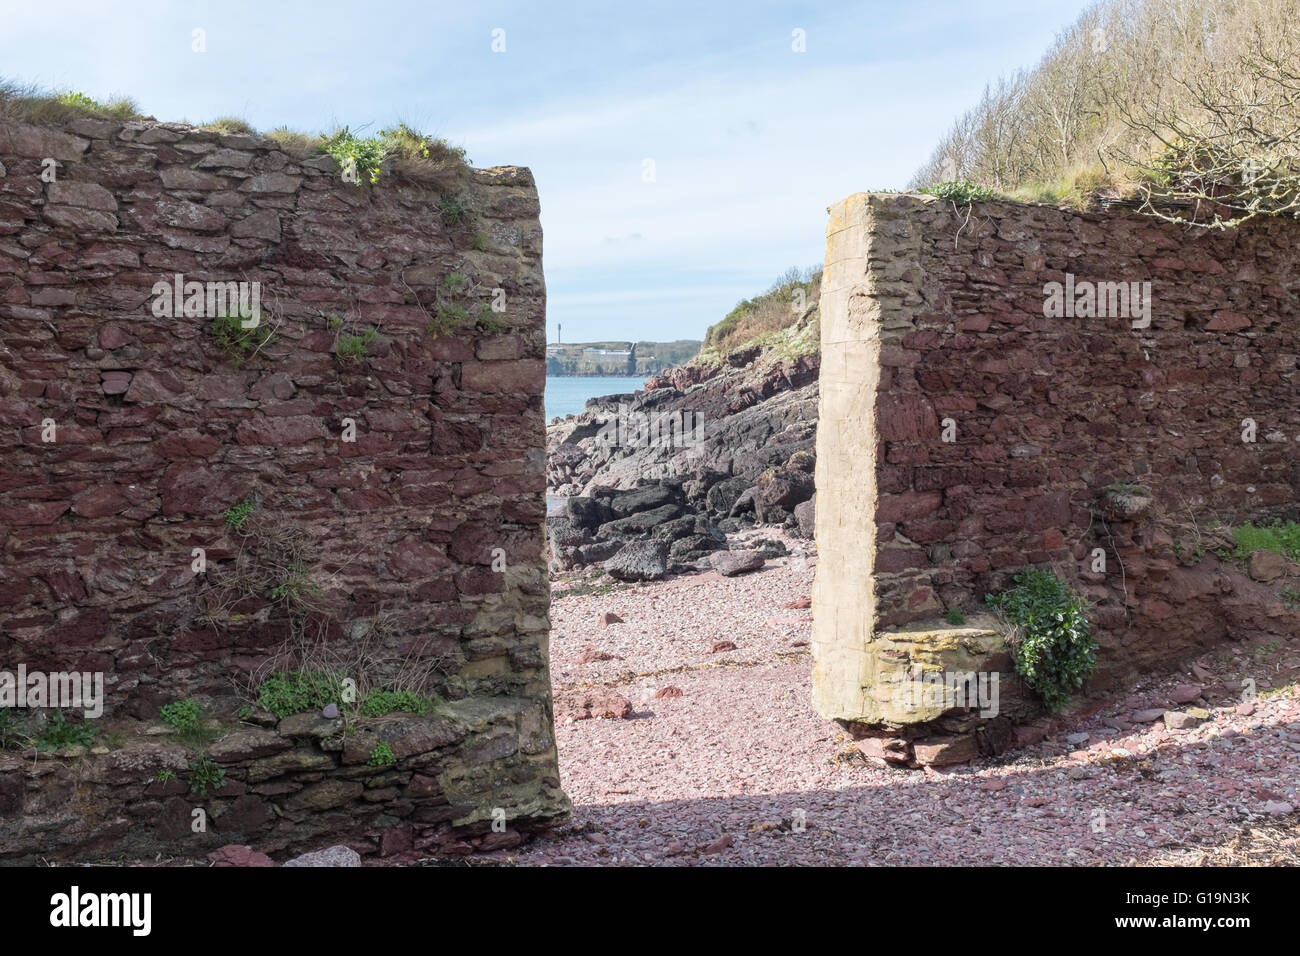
(430, 522)
(947, 307)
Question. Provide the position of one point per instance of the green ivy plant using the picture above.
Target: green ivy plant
(1054, 651)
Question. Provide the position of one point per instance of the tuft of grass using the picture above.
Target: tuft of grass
(237, 343)
(1077, 188)
(1279, 536)
(479, 242)
(454, 209)
(453, 282)
(489, 322)
(955, 617)
(230, 125)
(295, 588)
(959, 191)
(352, 348)
(448, 319)
(33, 105)
(297, 144)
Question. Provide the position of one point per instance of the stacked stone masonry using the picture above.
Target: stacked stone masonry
(421, 539)
(933, 315)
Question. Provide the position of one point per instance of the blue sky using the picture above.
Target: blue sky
(750, 140)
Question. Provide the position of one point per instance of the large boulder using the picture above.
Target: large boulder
(564, 532)
(806, 514)
(586, 513)
(595, 702)
(330, 856)
(785, 487)
(721, 496)
(599, 551)
(639, 561)
(641, 522)
(640, 499)
(731, 563)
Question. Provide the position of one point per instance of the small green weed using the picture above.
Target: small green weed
(238, 516)
(58, 733)
(382, 755)
(187, 720)
(292, 692)
(381, 702)
(1281, 537)
(489, 322)
(449, 318)
(454, 210)
(205, 775)
(352, 348)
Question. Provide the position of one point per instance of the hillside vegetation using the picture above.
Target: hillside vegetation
(783, 318)
(1191, 108)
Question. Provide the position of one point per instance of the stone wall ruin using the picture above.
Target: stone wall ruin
(395, 479)
(969, 429)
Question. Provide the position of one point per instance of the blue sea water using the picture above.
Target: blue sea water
(568, 394)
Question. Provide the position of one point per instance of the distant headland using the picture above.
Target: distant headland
(618, 358)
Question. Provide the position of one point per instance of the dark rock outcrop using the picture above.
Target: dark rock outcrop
(705, 450)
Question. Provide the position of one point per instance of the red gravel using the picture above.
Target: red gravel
(725, 773)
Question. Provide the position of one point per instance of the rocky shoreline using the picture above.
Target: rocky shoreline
(654, 482)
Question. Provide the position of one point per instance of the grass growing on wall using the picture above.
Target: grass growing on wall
(33, 105)
(1281, 537)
